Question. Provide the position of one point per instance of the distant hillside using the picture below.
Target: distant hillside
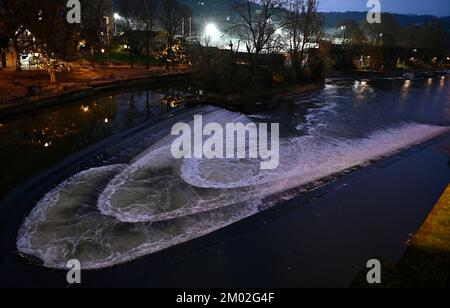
(334, 18)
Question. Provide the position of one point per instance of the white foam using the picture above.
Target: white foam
(151, 189)
(65, 225)
(156, 187)
(306, 159)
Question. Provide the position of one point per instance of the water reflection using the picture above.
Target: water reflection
(405, 90)
(362, 89)
(172, 102)
(37, 141)
(442, 82)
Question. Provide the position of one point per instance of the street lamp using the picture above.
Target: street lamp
(104, 64)
(117, 18)
(212, 32)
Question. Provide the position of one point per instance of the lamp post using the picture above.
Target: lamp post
(343, 28)
(117, 18)
(29, 67)
(104, 64)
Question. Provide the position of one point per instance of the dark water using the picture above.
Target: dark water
(122, 210)
(38, 140)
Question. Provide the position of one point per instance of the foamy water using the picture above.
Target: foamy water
(114, 214)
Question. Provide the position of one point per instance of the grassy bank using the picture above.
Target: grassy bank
(426, 262)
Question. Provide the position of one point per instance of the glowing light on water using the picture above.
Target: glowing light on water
(405, 89)
(362, 90)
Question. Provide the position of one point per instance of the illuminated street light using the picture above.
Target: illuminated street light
(117, 16)
(212, 32)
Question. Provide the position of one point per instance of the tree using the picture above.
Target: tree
(350, 33)
(304, 25)
(387, 33)
(48, 29)
(139, 18)
(173, 14)
(256, 27)
(12, 12)
(431, 38)
(3, 44)
(93, 26)
(145, 12)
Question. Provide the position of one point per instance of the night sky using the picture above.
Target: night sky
(421, 7)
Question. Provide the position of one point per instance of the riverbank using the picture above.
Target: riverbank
(75, 85)
(364, 74)
(426, 262)
(257, 101)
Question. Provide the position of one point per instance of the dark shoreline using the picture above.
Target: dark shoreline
(100, 90)
(251, 103)
(207, 251)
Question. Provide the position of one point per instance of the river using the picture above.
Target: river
(143, 201)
